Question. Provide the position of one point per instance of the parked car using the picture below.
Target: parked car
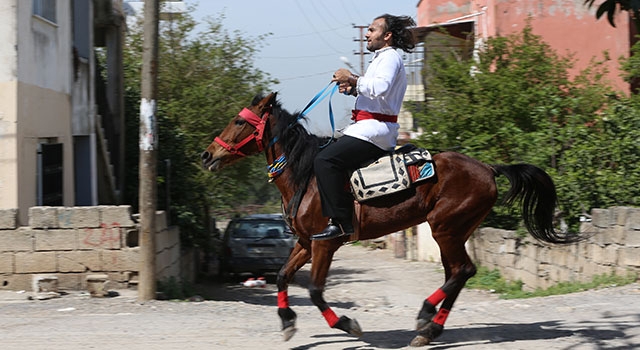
(256, 244)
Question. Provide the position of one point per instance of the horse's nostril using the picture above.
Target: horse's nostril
(205, 155)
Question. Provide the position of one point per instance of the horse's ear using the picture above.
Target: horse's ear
(268, 101)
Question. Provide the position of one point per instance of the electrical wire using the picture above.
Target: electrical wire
(315, 29)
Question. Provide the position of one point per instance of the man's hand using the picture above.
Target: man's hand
(346, 80)
(342, 76)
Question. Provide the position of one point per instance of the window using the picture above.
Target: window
(45, 9)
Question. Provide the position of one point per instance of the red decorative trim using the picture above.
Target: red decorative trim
(414, 173)
(249, 116)
(330, 316)
(283, 300)
(437, 297)
(358, 115)
(441, 316)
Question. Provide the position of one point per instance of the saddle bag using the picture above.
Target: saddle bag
(386, 175)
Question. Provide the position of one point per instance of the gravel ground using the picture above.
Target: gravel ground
(383, 293)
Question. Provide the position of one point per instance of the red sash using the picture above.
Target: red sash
(357, 115)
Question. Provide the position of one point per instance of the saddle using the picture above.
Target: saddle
(392, 173)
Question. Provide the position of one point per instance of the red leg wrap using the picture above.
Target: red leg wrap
(441, 316)
(283, 300)
(330, 316)
(437, 297)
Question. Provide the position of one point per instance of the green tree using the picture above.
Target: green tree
(517, 103)
(204, 80)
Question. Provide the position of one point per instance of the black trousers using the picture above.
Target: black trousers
(333, 165)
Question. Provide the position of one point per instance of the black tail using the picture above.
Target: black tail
(534, 188)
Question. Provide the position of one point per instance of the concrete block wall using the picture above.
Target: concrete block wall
(613, 246)
(73, 242)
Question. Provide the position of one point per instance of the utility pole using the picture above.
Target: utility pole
(361, 52)
(148, 152)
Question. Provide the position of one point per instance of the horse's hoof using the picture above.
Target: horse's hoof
(421, 324)
(289, 332)
(420, 340)
(348, 325)
(354, 328)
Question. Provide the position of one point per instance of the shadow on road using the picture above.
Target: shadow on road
(231, 288)
(486, 334)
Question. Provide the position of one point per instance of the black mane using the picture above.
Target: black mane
(298, 145)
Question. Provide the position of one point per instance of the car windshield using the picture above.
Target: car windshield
(258, 229)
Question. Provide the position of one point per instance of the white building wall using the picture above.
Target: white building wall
(45, 48)
(35, 101)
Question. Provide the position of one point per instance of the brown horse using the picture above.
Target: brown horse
(454, 202)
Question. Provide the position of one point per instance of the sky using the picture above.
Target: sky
(308, 39)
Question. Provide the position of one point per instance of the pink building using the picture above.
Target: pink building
(569, 26)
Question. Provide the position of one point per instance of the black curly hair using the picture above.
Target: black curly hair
(399, 27)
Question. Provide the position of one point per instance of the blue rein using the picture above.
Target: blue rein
(312, 104)
(278, 165)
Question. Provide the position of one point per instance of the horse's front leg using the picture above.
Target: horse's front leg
(322, 256)
(299, 256)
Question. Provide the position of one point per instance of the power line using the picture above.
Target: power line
(307, 34)
(319, 13)
(308, 75)
(314, 28)
(295, 57)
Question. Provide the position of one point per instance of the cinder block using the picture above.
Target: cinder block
(162, 241)
(97, 285)
(116, 216)
(56, 239)
(105, 237)
(633, 221)
(8, 219)
(600, 217)
(6, 263)
(19, 240)
(121, 260)
(174, 236)
(79, 261)
(16, 281)
(41, 262)
(43, 217)
(161, 220)
(45, 283)
(631, 238)
(629, 257)
(70, 281)
(619, 215)
(79, 217)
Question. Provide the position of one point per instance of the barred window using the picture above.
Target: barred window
(45, 9)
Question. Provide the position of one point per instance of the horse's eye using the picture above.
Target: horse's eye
(240, 122)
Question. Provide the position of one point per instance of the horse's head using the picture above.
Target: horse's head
(243, 136)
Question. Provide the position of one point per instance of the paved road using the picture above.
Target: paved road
(381, 292)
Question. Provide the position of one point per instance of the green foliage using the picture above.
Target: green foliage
(518, 103)
(204, 79)
(491, 280)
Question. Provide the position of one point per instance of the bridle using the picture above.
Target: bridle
(256, 122)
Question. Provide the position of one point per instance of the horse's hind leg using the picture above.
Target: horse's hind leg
(458, 269)
(299, 256)
(450, 234)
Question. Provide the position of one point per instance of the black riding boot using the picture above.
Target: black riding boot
(336, 228)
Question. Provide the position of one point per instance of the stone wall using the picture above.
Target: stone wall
(71, 243)
(613, 246)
